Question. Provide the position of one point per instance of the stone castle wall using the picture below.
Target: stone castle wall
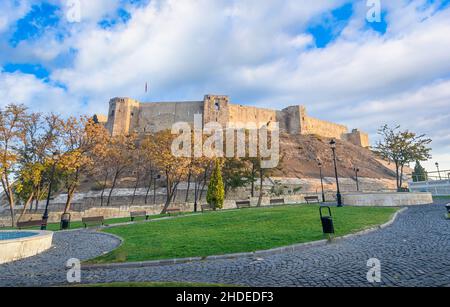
(127, 115)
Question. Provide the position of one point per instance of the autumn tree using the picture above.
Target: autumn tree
(81, 138)
(37, 144)
(119, 158)
(216, 190)
(402, 148)
(174, 169)
(12, 132)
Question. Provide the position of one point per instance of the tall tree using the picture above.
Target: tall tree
(175, 169)
(402, 148)
(81, 138)
(12, 132)
(216, 190)
(38, 143)
(419, 174)
(119, 158)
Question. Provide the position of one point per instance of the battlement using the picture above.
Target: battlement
(127, 115)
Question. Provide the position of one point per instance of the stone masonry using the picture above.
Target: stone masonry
(127, 115)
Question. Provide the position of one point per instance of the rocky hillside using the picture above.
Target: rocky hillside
(300, 154)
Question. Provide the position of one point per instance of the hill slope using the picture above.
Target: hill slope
(300, 154)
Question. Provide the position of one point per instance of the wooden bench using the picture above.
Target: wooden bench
(135, 214)
(29, 224)
(173, 211)
(206, 208)
(312, 199)
(243, 204)
(95, 220)
(279, 201)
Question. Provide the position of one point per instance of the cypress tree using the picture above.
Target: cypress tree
(216, 191)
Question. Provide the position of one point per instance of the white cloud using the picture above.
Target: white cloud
(37, 95)
(259, 52)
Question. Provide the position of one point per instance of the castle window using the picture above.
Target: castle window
(217, 105)
(112, 113)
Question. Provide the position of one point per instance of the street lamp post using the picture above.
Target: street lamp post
(357, 179)
(321, 181)
(338, 194)
(50, 186)
(439, 172)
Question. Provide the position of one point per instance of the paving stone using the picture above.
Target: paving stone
(414, 251)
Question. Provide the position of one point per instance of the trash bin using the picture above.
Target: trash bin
(65, 221)
(327, 221)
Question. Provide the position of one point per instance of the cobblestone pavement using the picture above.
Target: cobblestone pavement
(414, 251)
(49, 268)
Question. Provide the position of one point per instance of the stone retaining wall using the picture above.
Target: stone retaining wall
(387, 199)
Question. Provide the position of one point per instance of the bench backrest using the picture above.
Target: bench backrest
(206, 207)
(277, 201)
(92, 219)
(138, 213)
(29, 224)
(312, 198)
(243, 204)
(173, 209)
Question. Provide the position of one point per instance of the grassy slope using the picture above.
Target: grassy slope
(235, 231)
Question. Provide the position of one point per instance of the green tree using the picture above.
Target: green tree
(235, 174)
(419, 174)
(402, 148)
(216, 191)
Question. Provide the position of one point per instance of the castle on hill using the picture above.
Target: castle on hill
(127, 115)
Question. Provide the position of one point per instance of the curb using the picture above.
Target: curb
(256, 254)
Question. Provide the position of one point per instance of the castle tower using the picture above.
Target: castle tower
(123, 113)
(215, 109)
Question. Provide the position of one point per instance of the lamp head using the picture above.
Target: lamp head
(333, 144)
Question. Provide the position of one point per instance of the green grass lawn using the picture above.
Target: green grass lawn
(235, 231)
(79, 224)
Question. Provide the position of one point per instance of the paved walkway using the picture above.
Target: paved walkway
(414, 251)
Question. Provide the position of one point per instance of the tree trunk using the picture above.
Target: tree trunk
(116, 175)
(203, 184)
(10, 197)
(135, 188)
(253, 180)
(25, 206)
(70, 193)
(103, 190)
(401, 176)
(170, 190)
(188, 187)
(154, 191)
(261, 177)
(149, 187)
(397, 175)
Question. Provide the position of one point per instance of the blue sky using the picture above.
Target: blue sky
(324, 54)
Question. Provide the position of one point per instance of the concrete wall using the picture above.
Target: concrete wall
(387, 199)
(16, 249)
